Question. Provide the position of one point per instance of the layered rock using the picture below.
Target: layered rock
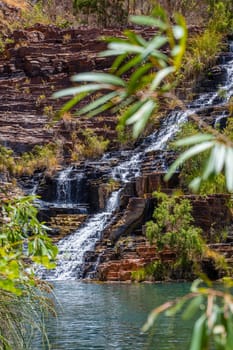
(38, 63)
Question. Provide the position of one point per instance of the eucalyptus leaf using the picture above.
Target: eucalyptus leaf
(176, 308)
(126, 47)
(193, 307)
(160, 76)
(194, 185)
(80, 89)
(146, 108)
(132, 63)
(150, 320)
(210, 166)
(73, 102)
(188, 154)
(140, 72)
(191, 140)
(199, 335)
(229, 169)
(154, 44)
(135, 38)
(99, 78)
(220, 150)
(98, 102)
(148, 21)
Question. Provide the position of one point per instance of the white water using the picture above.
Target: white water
(63, 191)
(73, 248)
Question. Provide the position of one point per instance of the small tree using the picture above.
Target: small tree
(172, 228)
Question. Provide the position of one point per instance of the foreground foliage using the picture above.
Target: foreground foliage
(23, 242)
(214, 308)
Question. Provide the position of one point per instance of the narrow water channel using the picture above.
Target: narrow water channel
(109, 317)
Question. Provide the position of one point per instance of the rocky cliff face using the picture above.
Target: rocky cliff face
(40, 61)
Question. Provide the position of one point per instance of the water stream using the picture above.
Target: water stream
(73, 247)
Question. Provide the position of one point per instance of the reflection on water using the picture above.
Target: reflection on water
(109, 316)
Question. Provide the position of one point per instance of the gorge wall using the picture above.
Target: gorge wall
(39, 61)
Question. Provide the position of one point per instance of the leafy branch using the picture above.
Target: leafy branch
(142, 72)
(215, 325)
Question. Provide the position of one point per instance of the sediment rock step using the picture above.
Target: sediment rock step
(64, 224)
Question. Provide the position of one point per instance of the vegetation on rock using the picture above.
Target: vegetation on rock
(172, 230)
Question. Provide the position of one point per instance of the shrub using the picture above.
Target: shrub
(91, 145)
(172, 227)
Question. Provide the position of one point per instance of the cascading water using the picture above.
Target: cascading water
(63, 190)
(72, 249)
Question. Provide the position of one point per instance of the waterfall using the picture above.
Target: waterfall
(73, 247)
(63, 190)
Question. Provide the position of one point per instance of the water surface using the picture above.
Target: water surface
(109, 317)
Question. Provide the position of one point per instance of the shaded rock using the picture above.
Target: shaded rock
(132, 218)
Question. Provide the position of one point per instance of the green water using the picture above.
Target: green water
(109, 316)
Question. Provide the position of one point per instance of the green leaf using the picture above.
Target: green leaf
(160, 77)
(135, 38)
(130, 111)
(117, 62)
(193, 307)
(154, 44)
(176, 308)
(99, 78)
(220, 150)
(147, 106)
(150, 320)
(195, 184)
(148, 21)
(80, 89)
(229, 326)
(229, 169)
(210, 166)
(132, 63)
(179, 53)
(100, 101)
(188, 154)
(45, 261)
(125, 47)
(140, 72)
(71, 103)
(191, 140)
(199, 334)
(161, 57)
(140, 118)
(106, 106)
(110, 53)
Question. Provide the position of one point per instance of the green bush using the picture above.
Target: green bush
(172, 228)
